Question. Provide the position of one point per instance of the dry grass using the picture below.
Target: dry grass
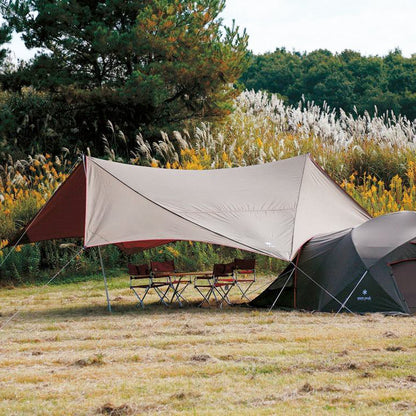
(65, 355)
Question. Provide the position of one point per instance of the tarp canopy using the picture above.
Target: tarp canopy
(270, 209)
(372, 268)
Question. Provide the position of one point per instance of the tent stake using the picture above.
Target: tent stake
(348, 298)
(105, 280)
(281, 291)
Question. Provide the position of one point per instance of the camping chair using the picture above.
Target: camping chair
(225, 276)
(214, 285)
(142, 273)
(166, 270)
(244, 274)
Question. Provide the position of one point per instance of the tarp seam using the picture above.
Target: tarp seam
(234, 210)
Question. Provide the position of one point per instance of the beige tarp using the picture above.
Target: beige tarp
(269, 209)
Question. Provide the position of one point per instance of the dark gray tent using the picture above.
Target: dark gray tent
(370, 268)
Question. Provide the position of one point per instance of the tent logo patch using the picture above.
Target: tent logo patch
(364, 296)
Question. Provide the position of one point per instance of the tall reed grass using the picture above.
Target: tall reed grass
(371, 157)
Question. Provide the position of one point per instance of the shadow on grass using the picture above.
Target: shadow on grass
(131, 309)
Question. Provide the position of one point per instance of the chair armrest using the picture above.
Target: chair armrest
(140, 276)
(204, 280)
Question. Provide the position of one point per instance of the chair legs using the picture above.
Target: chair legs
(141, 298)
(219, 292)
(206, 296)
(177, 292)
(244, 291)
(223, 292)
(161, 294)
(210, 287)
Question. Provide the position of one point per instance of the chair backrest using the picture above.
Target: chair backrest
(245, 264)
(229, 268)
(143, 269)
(162, 266)
(132, 269)
(138, 269)
(218, 269)
(223, 269)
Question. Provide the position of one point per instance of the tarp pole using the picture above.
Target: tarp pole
(281, 291)
(320, 286)
(348, 298)
(105, 280)
(295, 282)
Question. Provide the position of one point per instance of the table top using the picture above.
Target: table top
(191, 274)
(167, 274)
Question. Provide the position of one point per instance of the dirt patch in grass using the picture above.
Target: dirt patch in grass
(97, 359)
(110, 409)
(306, 388)
(201, 358)
(183, 396)
(394, 348)
(405, 406)
(389, 334)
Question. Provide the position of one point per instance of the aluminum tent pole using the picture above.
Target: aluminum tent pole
(352, 291)
(105, 280)
(320, 286)
(281, 291)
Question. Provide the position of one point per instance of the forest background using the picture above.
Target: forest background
(165, 84)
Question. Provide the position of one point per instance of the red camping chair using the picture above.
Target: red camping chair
(166, 270)
(142, 273)
(218, 284)
(244, 274)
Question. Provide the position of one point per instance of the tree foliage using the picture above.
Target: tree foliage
(347, 80)
(138, 63)
(5, 37)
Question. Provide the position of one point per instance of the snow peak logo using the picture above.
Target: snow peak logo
(364, 296)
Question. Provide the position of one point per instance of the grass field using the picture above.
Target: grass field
(65, 355)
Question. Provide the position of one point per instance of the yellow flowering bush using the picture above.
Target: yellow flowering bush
(378, 199)
(25, 186)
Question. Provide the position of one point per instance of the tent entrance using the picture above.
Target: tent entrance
(405, 274)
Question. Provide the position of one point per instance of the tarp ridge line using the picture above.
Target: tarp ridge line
(235, 210)
(184, 218)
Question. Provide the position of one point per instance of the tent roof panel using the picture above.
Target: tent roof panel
(378, 237)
